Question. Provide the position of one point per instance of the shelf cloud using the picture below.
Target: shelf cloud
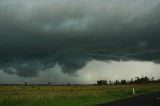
(36, 34)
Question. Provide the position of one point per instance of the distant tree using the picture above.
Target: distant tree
(158, 80)
(138, 80)
(142, 80)
(146, 80)
(25, 83)
(117, 82)
(152, 79)
(131, 81)
(102, 82)
(110, 82)
(49, 83)
(123, 82)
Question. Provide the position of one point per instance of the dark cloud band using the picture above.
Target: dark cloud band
(35, 35)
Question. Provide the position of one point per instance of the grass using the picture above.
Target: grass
(69, 95)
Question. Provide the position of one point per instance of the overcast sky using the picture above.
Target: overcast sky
(70, 40)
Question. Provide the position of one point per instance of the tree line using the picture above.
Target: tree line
(137, 80)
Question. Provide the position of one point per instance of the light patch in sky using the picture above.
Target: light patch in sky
(95, 70)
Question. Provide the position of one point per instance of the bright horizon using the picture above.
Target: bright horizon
(93, 71)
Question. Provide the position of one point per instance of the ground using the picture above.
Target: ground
(77, 95)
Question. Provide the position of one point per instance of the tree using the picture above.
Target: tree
(25, 83)
(102, 82)
(142, 80)
(117, 82)
(110, 82)
(123, 82)
(131, 81)
(49, 83)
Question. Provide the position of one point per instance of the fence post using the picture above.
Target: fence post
(134, 92)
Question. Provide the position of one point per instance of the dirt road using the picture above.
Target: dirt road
(152, 99)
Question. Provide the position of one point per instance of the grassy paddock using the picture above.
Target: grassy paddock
(86, 95)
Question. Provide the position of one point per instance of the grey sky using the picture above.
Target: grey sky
(36, 34)
(94, 70)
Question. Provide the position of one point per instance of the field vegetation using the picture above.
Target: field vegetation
(73, 95)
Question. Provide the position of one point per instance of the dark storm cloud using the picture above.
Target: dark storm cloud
(36, 34)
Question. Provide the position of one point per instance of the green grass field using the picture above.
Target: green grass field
(87, 95)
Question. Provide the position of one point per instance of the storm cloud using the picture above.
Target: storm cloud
(36, 34)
